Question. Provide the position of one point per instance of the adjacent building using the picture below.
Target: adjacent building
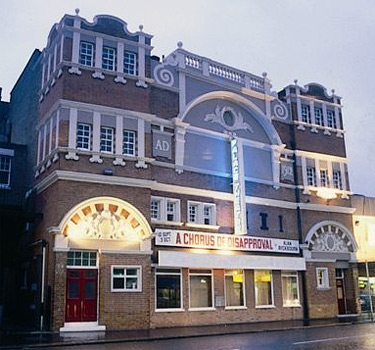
(184, 191)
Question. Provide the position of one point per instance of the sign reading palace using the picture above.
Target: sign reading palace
(189, 239)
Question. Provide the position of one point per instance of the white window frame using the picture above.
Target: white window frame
(155, 210)
(324, 179)
(138, 276)
(311, 176)
(337, 179)
(318, 113)
(331, 119)
(109, 58)
(5, 169)
(160, 272)
(305, 113)
(107, 136)
(85, 57)
(325, 278)
(202, 273)
(81, 266)
(129, 144)
(231, 273)
(84, 136)
(200, 214)
(290, 274)
(163, 203)
(130, 63)
(272, 305)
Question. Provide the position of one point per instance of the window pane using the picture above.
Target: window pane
(129, 142)
(263, 288)
(118, 283)
(118, 272)
(131, 272)
(234, 289)
(200, 291)
(168, 292)
(290, 290)
(131, 283)
(130, 63)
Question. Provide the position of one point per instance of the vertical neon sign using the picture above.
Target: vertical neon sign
(239, 205)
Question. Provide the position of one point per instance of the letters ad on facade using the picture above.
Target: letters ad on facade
(188, 239)
(161, 144)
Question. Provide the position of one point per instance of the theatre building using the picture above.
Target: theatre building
(184, 192)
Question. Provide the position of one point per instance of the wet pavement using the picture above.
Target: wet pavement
(283, 335)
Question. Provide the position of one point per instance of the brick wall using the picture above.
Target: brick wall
(322, 303)
(124, 310)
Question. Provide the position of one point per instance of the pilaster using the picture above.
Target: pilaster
(72, 154)
(95, 158)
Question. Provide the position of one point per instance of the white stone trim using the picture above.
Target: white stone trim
(98, 58)
(233, 261)
(247, 104)
(320, 156)
(96, 138)
(57, 128)
(44, 141)
(82, 327)
(75, 53)
(73, 116)
(50, 135)
(169, 188)
(119, 140)
(180, 131)
(39, 145)
(7, 152)
(317, 172)
(141, 143)
(141, 61)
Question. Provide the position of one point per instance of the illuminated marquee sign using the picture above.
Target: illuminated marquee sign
(188, 239)
(239, 204)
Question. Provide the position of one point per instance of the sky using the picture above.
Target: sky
(331, 42)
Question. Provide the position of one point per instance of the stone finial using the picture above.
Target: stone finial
(141, 27)
(179, 44)
(295, 81)
(264, 75)
(333, 91)
(77, 11)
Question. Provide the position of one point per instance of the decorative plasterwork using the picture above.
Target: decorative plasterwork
(255, 111)
(330, 237)
(163, 75)
(105, 218)
(280, 110)
(228, 118)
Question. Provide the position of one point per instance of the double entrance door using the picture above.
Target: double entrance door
(81, 295)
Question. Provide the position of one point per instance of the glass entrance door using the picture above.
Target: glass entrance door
(81, 295)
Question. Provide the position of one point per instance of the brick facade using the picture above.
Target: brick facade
(198, 107)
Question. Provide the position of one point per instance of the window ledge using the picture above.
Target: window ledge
(323, 288)
(235, 308)
(202, 309)
(167, 223)
(265, 307)
(168, 310)
(202, 226)
(291, 306)
(5, 187)
(126, 291)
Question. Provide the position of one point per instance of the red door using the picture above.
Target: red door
(81, 295)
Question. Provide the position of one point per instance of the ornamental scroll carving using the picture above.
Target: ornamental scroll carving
(163, 75)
